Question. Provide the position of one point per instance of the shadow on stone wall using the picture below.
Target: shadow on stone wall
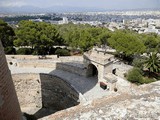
(57, 95)
(80, 82)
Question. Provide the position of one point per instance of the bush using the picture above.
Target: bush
(138, 62)
(10, 50)
(24, 51)
(147, 80)
(135, 75)
(62, 52)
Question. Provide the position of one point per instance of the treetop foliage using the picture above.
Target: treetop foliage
(42, 36)
(126, 43)
(6, 34)
(37, 35)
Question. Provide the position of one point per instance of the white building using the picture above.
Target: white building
(64, 21)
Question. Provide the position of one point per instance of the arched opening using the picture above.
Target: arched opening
(92, 70)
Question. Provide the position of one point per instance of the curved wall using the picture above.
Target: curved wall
(38, 91)
(57, 93)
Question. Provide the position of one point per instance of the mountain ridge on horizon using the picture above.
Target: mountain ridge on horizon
(62, 9)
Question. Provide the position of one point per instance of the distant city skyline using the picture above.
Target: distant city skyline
(88, 4)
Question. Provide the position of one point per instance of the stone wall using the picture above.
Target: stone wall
(37, 92)
(57, 93)
(121, 68)
(29, 57)
(9, 106)
(36, 63)
(50, 57)
(80, 70)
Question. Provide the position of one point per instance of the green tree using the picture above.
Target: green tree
(7, 36)
(83, 36)
(151, 41)
(127, 44)
(39, 36)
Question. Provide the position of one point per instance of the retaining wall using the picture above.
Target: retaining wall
(80, 70)
(37, 91)
(36, 63)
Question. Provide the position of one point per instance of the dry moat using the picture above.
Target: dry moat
(58, 88)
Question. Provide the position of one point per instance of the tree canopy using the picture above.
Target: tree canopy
(41, 37)
(83, 36)
(37, 35)
(6, 34)
(126, 43)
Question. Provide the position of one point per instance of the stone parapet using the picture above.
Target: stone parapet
(9, 106)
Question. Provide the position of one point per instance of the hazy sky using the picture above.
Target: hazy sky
(107, 4)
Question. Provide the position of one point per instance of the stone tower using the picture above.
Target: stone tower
(9, 105)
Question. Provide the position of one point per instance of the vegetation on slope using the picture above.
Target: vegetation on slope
(39, 38)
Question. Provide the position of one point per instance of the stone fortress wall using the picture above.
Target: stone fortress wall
(57, 92)
(79, 69)
(9, 106)
(38, 91)
(41, 92)
(35, 61)
(30, 57)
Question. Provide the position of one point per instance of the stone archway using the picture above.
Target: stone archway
(92, 70)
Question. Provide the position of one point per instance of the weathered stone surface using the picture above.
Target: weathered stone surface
(57, 93)
(142, 105)
(129, 102)
(9, 106)
(28, 87)
(77, 68)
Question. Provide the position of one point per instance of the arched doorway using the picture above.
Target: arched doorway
(92, 70)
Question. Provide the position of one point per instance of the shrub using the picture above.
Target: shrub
(24, 51)
(62, 52)
(10, 50)
(135, 75)
(138, 62)
(147, 80)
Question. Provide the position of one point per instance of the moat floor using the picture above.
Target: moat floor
(89, 87)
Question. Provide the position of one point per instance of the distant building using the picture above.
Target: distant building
(64, 21)
(36, 20)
